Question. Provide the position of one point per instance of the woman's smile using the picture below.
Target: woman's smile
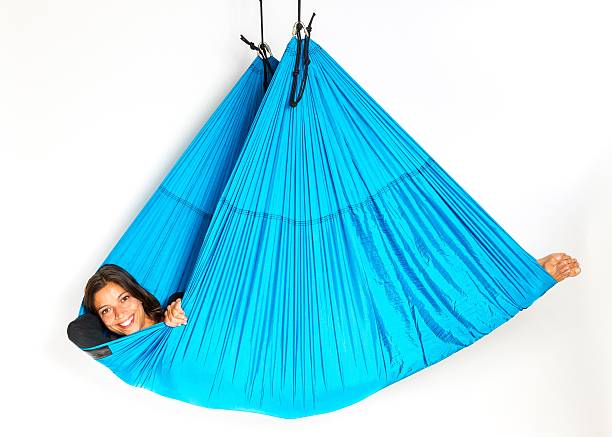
(128, 322)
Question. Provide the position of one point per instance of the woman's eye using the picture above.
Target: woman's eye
(124, 298)
(104, 311)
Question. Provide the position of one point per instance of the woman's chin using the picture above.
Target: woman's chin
(124, 331)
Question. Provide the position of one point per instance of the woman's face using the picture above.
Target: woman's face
(120, 311)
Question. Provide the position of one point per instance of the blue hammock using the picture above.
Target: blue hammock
(340, 258)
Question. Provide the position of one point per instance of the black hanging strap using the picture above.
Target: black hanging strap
(293, 99)
(261, 20)
(250, 44)
(262, 50)
(265, 50)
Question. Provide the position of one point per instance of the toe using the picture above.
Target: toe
(561, 265)
(562, 270)
(575, 269)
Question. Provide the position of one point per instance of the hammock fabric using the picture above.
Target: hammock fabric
(340, 258)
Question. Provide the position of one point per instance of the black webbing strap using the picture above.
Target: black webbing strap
(261, 20)
(262, 50)
(293, 99)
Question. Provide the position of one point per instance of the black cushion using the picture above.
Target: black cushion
(87, 330)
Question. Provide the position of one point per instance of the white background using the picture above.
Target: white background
(99, 98)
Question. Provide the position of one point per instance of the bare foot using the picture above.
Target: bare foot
(560, 265)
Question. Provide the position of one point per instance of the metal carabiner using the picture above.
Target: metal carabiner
(295, 27)
(264, 47)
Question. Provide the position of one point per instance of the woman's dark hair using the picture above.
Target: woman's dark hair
(115, 274)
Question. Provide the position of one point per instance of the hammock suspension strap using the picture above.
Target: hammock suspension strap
(297, 31)
(263, 50)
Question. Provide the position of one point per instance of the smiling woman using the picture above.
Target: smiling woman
(118, 305)
(120, 311)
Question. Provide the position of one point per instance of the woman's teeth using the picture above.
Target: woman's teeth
(127, 323)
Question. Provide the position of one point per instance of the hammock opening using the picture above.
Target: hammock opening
(89, 332)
